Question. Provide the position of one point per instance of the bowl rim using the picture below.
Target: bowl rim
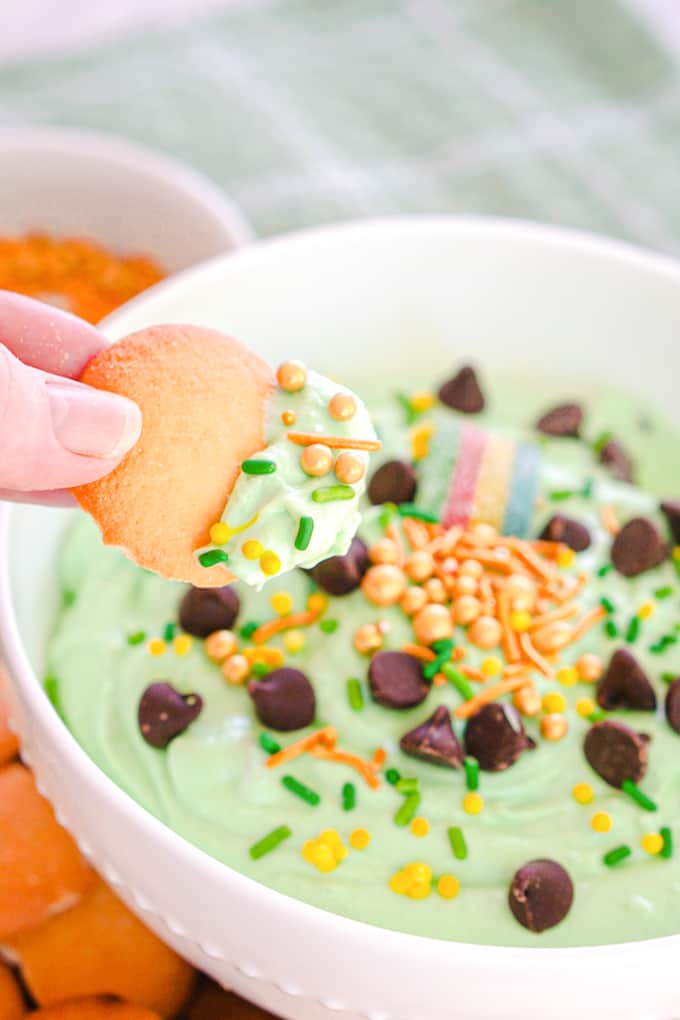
(65, 745)
(119, 150)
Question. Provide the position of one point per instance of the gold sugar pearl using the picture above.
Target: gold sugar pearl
(589, 668)
(432, 623)
(527, 701)
(384, 551)
(220, 645)
(466, 609)
(349, 469)
(554, 726)
(466, 585)
(412, 600)
(485, 632)
(435, 590)
(420, 565)
(553, 636)
(368, 639)
(342, 406)
(291, 376)
(236, 669)
(288, 418)
(521, 591)
(316, 460)
(384, 584)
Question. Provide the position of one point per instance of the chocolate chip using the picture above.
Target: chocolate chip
(624, 684)
(562, 421)
(617, 460)
(393, 482)
(541, 894)
(638, 547)
(284, 699)
(616, 752)
(202, 611)
(495, 736)
(434, 741)
(568, 531)
(673, 705)
(340, 575)
(671, 509)
(396, 680)
(164, 713)
(463, 392)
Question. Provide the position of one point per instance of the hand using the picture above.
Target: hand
(54, 432)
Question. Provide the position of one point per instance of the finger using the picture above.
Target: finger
(56, 433)
(57, 497)
(45, 337)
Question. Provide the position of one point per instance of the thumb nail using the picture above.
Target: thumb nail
(92, 422)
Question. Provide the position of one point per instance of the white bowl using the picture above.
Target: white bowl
(354, 300)
(123, 195)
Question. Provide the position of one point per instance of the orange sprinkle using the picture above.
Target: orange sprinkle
(490, 559)
(587, 621)
(392, 532)
(609, 520)
(550, 550)
(490, 693)
(327, 736)
(416, 532)
(515, 669)
(379, 758)
(473, 674)
(443, 542)
(567, 592)
(439, 680)
(509, 639)
(528, 556)
(458, 653)
(534, 656)
(267, 630)
(562, 613)
(345, 758)
(334, 442)
(419, 652)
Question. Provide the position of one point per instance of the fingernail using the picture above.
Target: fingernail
(92, 422)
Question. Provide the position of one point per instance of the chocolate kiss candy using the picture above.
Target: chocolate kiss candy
(638, 547)
(396, 680)
(562, 421)
(284, 699)
(673, 705)
(495, 736)
(202, 611)
(617, 461)
(463, 392)
(164, 713)
(340, 575)
(567, 531)
(541, 894)
(624, 684)
(671, 509)
(393, 482)
(434, 741)
(616, 752)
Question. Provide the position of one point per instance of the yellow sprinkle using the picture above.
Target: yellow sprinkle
(419, 891)
(601, 821)
(420, 440)
(491, 666)
(270, 563)
(316, 603)
(331, 837)
(652, 843)
(308, 850)
(261, 653)
(583, 793)
(359, 839)
(294, 641)
(220, 533)
(646, 610)
(676, 553)
(324, 861)
(282, 603)
(252, 549)
(325, 852)
(585, 707)
(448, 887)
(566, 557)
(472, 803)
(520, 620)
(400, 882)
(157, 646)
(421, 401)
(420, 827)
(567, 676)
(182, 644)
(554, 701)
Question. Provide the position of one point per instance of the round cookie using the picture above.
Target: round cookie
(203, 399)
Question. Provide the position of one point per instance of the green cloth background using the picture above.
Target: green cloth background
(309, 111)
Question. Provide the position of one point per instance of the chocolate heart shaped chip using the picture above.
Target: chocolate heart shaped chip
(672, 705)
(284, 699)
(617, 461)
(567, 531)
(164, 713)
(616, 752)
(396, 680)
(563, 421)
(624, 684)
(541, 895)
(340, 575)
(202, 611)
(434, 741)
(393, 482)
(496, 737)
(638, 546)
(462, 392)
(671, 510)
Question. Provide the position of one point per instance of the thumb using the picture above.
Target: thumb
(56, 433)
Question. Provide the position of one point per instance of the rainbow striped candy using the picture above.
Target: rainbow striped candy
(471, 475)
